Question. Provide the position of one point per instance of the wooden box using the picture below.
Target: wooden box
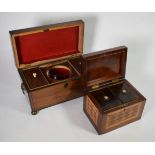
(110, 101)
(48, 59)
(53, 69)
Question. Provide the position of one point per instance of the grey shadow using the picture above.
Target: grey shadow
(11, 93)
(75, 114)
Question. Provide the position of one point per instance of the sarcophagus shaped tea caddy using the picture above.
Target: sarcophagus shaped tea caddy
(48, 59)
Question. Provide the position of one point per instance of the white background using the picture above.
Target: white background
(67, 122)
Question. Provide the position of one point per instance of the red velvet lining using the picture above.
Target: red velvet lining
(47, 45)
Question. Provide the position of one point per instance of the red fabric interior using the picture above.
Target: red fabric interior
(47, 45)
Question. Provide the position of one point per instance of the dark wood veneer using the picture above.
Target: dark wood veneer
(42, 90)
(117, 101)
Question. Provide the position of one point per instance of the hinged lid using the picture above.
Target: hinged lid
(43, 44)
(104, 67)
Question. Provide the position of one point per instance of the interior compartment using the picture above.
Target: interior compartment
(106, 99)
(51, 78)
(42, 76)
(59, 72)
(34, 78)
(123, 92)
(115, 95)
(77, 63)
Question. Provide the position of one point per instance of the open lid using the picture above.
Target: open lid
(103, 67)
(43, 44)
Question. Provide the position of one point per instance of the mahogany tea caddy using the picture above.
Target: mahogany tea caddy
(53, 70)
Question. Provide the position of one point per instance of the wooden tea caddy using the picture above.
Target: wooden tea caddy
(110, 101)
(38, 49)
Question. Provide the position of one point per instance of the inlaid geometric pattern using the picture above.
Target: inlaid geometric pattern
(92, 110)
(123, 115)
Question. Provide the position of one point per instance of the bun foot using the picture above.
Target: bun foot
(34, 112)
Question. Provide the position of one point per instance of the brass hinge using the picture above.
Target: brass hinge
(72, 57)
(95, 86)
(115, 80)
(27, 67)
